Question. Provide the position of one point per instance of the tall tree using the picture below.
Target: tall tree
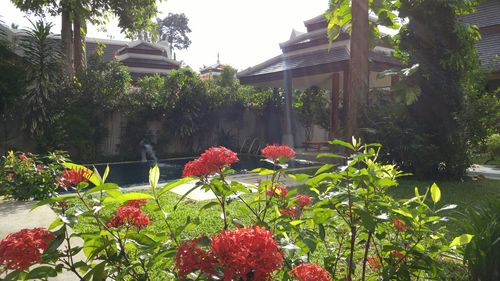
(353, 17)
(41, 52)
(133, 15)
(443, 46)
(174, 29)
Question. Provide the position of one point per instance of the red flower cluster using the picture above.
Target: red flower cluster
(40, 168)
(130, 216)
(398, 255)
(212, 161)
(190, 258)
(399, 224)
(374, 262)
(278, 190)
(9, 176)
(21, 249)
(246, 252)
(292, 212)
(240, 254)
(278, 152)
(310, 272)
(72, 177)
(137, 203)
(23, 157)
(303, 200)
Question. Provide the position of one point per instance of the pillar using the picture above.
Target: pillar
(334, 110)
(287, 132)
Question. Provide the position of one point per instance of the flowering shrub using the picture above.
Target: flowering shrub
(339, 225)
(21, 249)
(27, 176)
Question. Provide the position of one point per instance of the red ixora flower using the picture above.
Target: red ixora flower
(278, 190)
(246, 253)
(310, 272)
(129, 216)
(9, 176)
(137, 203)
(72, 177)
(23, 156)
(190, 258)
(212, 161)
(292, 212)
(374, 262)
(398, 255)
(21, 249)
(277, 152)
(303, 200)
(399, 224)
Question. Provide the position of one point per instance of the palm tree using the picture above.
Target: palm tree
(43, 74)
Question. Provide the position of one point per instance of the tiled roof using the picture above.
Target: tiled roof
(109, 50)
(325, 56)
(487, 14)
(489, 51)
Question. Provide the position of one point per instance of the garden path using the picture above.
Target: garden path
(487, 171)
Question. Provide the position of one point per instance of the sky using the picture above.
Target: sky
(244, 32)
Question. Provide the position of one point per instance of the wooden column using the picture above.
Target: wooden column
(287, 133)
(346, 100)
(334, 110)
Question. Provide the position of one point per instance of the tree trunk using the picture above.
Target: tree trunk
(78, 43)
(359, 72)
(67, 41)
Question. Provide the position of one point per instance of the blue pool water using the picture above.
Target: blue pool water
(136, 173)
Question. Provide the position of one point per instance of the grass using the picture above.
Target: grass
(464, 194)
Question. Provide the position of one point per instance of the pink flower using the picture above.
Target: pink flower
(399, 224)
(292, 212)
(303, 200)
(278, 190)
(129, 216)
(40, 168)
(23, 157)
(278, 153)
(310, 272)
(21, 249)
(9, 176)
(374, 262)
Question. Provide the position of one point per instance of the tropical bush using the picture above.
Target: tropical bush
(28, 176)
(482, 254)
(340, 225)
(493, 146)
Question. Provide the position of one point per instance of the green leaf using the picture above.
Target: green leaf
(296, 222)
(42, 272)
(209, 205)
(53, 199)
(342, 143)
(323, 169)
(106, 173)
(174, 184)
(103, 187)
(126, 197)
(329, 155)
(262, 171)
(435, 193)
(154, 176)
(299, 177)
(461, 240)
(95, 179)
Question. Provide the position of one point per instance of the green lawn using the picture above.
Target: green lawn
(464, 194)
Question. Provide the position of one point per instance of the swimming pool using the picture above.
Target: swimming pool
(136, 173)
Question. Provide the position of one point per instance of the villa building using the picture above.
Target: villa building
(142, 58)
(309, 59)
(487, 18)
(208, 72)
